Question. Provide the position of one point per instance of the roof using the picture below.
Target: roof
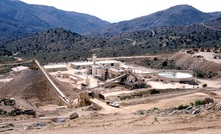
(55, 66)
(107, 61)
(175, 75)
(90, 63)
(19, 68)
(82, 63)
(141, 71)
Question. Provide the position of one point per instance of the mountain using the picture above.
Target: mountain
(18, 19)
(214, 22)
(50, 46)
(216, 14)
(59, 45)
(174, 16)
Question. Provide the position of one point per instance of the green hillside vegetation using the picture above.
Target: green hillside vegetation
(59, 45)
(214, 23)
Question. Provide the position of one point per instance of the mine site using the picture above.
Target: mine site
(110, 67)
(110, 95)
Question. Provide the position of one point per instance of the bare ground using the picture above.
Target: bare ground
(124, 120)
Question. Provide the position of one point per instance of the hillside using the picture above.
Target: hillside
(214, 22)
(52, 45)
(174, 16)
(18, 19)
(59, 45)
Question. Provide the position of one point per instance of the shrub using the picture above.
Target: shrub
(199, 102)
(191, 103)
(182, 107)
(154, 91)
(204, 85)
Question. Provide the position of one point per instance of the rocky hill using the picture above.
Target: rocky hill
(57, 45)
(174, 16)
(51, 45)
(214, 22)
(18, 18)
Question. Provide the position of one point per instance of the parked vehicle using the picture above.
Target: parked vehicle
(113, 104)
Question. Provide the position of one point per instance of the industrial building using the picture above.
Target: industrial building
(54, 68)
(82, 65)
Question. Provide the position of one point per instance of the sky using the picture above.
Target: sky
(120, 10)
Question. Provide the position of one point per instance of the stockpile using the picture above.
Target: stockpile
(186, 61)
(32, 85)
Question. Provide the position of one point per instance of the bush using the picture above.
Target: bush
(155, 59)
(191, 103)
(154, 91)
(182, 107)
(204, 85)
(199, 102)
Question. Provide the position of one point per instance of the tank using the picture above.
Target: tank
(94, 58)
(175, 76)
(88, 70)
(87, 81)
(94, 70)
(99, 71)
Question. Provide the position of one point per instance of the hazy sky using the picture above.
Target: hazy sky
(119, 10)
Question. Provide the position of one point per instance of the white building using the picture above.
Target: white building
(54, 68)
(77, 65)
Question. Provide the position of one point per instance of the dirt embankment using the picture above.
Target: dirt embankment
(186, 61)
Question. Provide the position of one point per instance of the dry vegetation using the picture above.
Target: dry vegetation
(59, 45)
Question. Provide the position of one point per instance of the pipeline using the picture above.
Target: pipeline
(61, 95)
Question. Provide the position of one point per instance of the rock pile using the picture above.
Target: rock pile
(199, 106)
(8, 108)
(7, 102)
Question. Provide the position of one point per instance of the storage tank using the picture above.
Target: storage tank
(88, 70)
(99, 71)
(94, 58)
(94, 70)
(87, 81)
(175, 76)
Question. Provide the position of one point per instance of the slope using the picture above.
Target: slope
(177, 15)
(59, 45)
(18, 18)
(214, 22)
(51, 46)
(186, 61)
(32, 85)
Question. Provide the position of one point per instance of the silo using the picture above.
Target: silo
(87, 81)
(88, 70)
(94, 70)
(94, 58)
(99, 71)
